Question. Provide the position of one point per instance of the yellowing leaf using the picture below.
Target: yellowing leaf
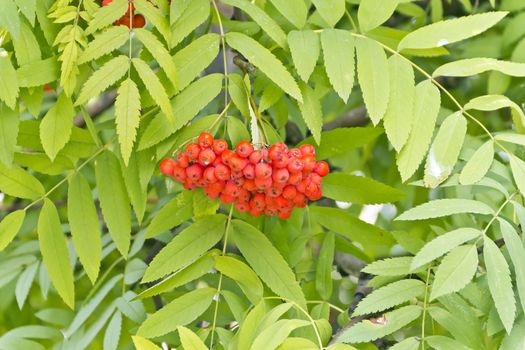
(143, 343)
(9, 122)
(9, 82)
(190, 340)
(55, 128)
(9, 227)
(127, 111)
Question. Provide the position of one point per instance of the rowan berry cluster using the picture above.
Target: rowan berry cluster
(270, 181)
(130, 19)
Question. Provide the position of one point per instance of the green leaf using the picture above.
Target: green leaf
(440, 342)
(330, 11)
(426, 109)
(450, 31)
(107, 15)
(26, 46)
(104, 43)
(103, 77)
(478, 165)
(185, 105)
(113, 331)
(127, 116)
(517, 255)
(194, 14)
(243, 275)
(500, 285)
(293, 343)
(271, 337)
(358, 189)
(38, 73)
(368, 330)
(323, 271)
(85, 229)
(69, 70)
(341, 141)
(389, 296)
(114, 200)
(8, 133)
(155, 16)
(143, 343)
(294, 11)
(372, 13)
(267, 262)
(311, 111)
(474, 66)
(267, 24)
(159, 52)
(411, 343)
(238, 93)
(399, 114)
(494, 102)
(304, 47)
(19, 183)
(9, 82)
(9, 17)
(9, 227)
(373, 75)
(55, 128)
(179, 312)
(455, 271)
(445, 207)
(194, 58)
(186, 247)
(338, 54)
(172, 214)
(398, 266)
(24, 283)
(518, 172)
(190, 340)
(443, 244)
(263, 59)
(54, 252)
(445, 149)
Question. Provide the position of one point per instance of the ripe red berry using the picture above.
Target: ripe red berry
(138, 21)
(244, 149)
(255, 212)
(183, 161)
(227, 199)
(219, 146)
(295, 152)
(193, 150)
(179, 174)
(281, 162)
(295, 178)
(242, 207)
(309, 162)
(249, 171)
(263, 170)
(249, 185)
(209, 175)
(106, 2)
(222, 172)
(166, 166)
(322, 168)
(256, 157)
(194, 172)
(226, 156)
(275, 152)
(237, 163)
(289, 192)
(232, 189)
(283, 215)
(263, 184)
(295, 165)
(307, 149)
(205, 140)
(206, 156)
(281, 175)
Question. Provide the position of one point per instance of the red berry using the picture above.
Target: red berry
(258, 201)
(283, 215)
(179, 174)
(281, 162)
(263, 183)
(295, 165)
(307, 149)
(222, 172)
(309, 162)
(226, 156)
(183, 161)
(209, 175)
(281, 175)
(322, 168)
(275, 152)
(166, 166)
(237, 163)
(249, 171)
(244, 149)
(289, 192)
(205, 140)
(295, 178)
(106, 2)
(193, 150)
(194, 172)
(263, 170)
(242, 207)
(227, 199)
(138, 21)
(256, 157)
(232, 189)
(255, 212)
(219, 146)
(206, 156)
(249, 185)
(295, 152)
(274, 191)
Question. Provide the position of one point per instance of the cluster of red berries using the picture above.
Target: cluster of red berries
(272, 180)
(132, 20)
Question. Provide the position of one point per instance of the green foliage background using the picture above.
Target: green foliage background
(415, 104)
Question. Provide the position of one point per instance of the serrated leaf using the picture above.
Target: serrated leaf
(518, 172)
(267, 262)
(186, 247)
(338, 54)
(114, 200)
(143, 343)
(84, 224)
(194, 58)
(411, 343)
(238, 93)
(267, 24)
(311, 111)
(127, 116)
(26, 46)
(55, 128)
(294, 11)
(159, 52)
(106, 15)
(399, 114)
(323, 271)
(426, 109)
(474, 66)
(9, 227)
(243, 275)
(397, 266)
(372, 72)
(178, 312)
(19, 183)
(155, 16)
(54, 252)
(358, 189)
(388, 323)
(104, 43)
(305, 48)
(389, 296)
(175, 212)
(102, 78)
(24, 283)
(450, 31)
(194, 14)
(263, 59)
(9, 82)
(330, 11)
(500, 285)
(372, 13)
(112, 334)
(9, 17)
(38, 73)
(8, 133)
(153, 85)
(190, 340)
(478, 165)
(445, 149)
(274, 335)
(440, 342)
(445, 207)
(443, 244)
(455, 271)
(494, 102)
